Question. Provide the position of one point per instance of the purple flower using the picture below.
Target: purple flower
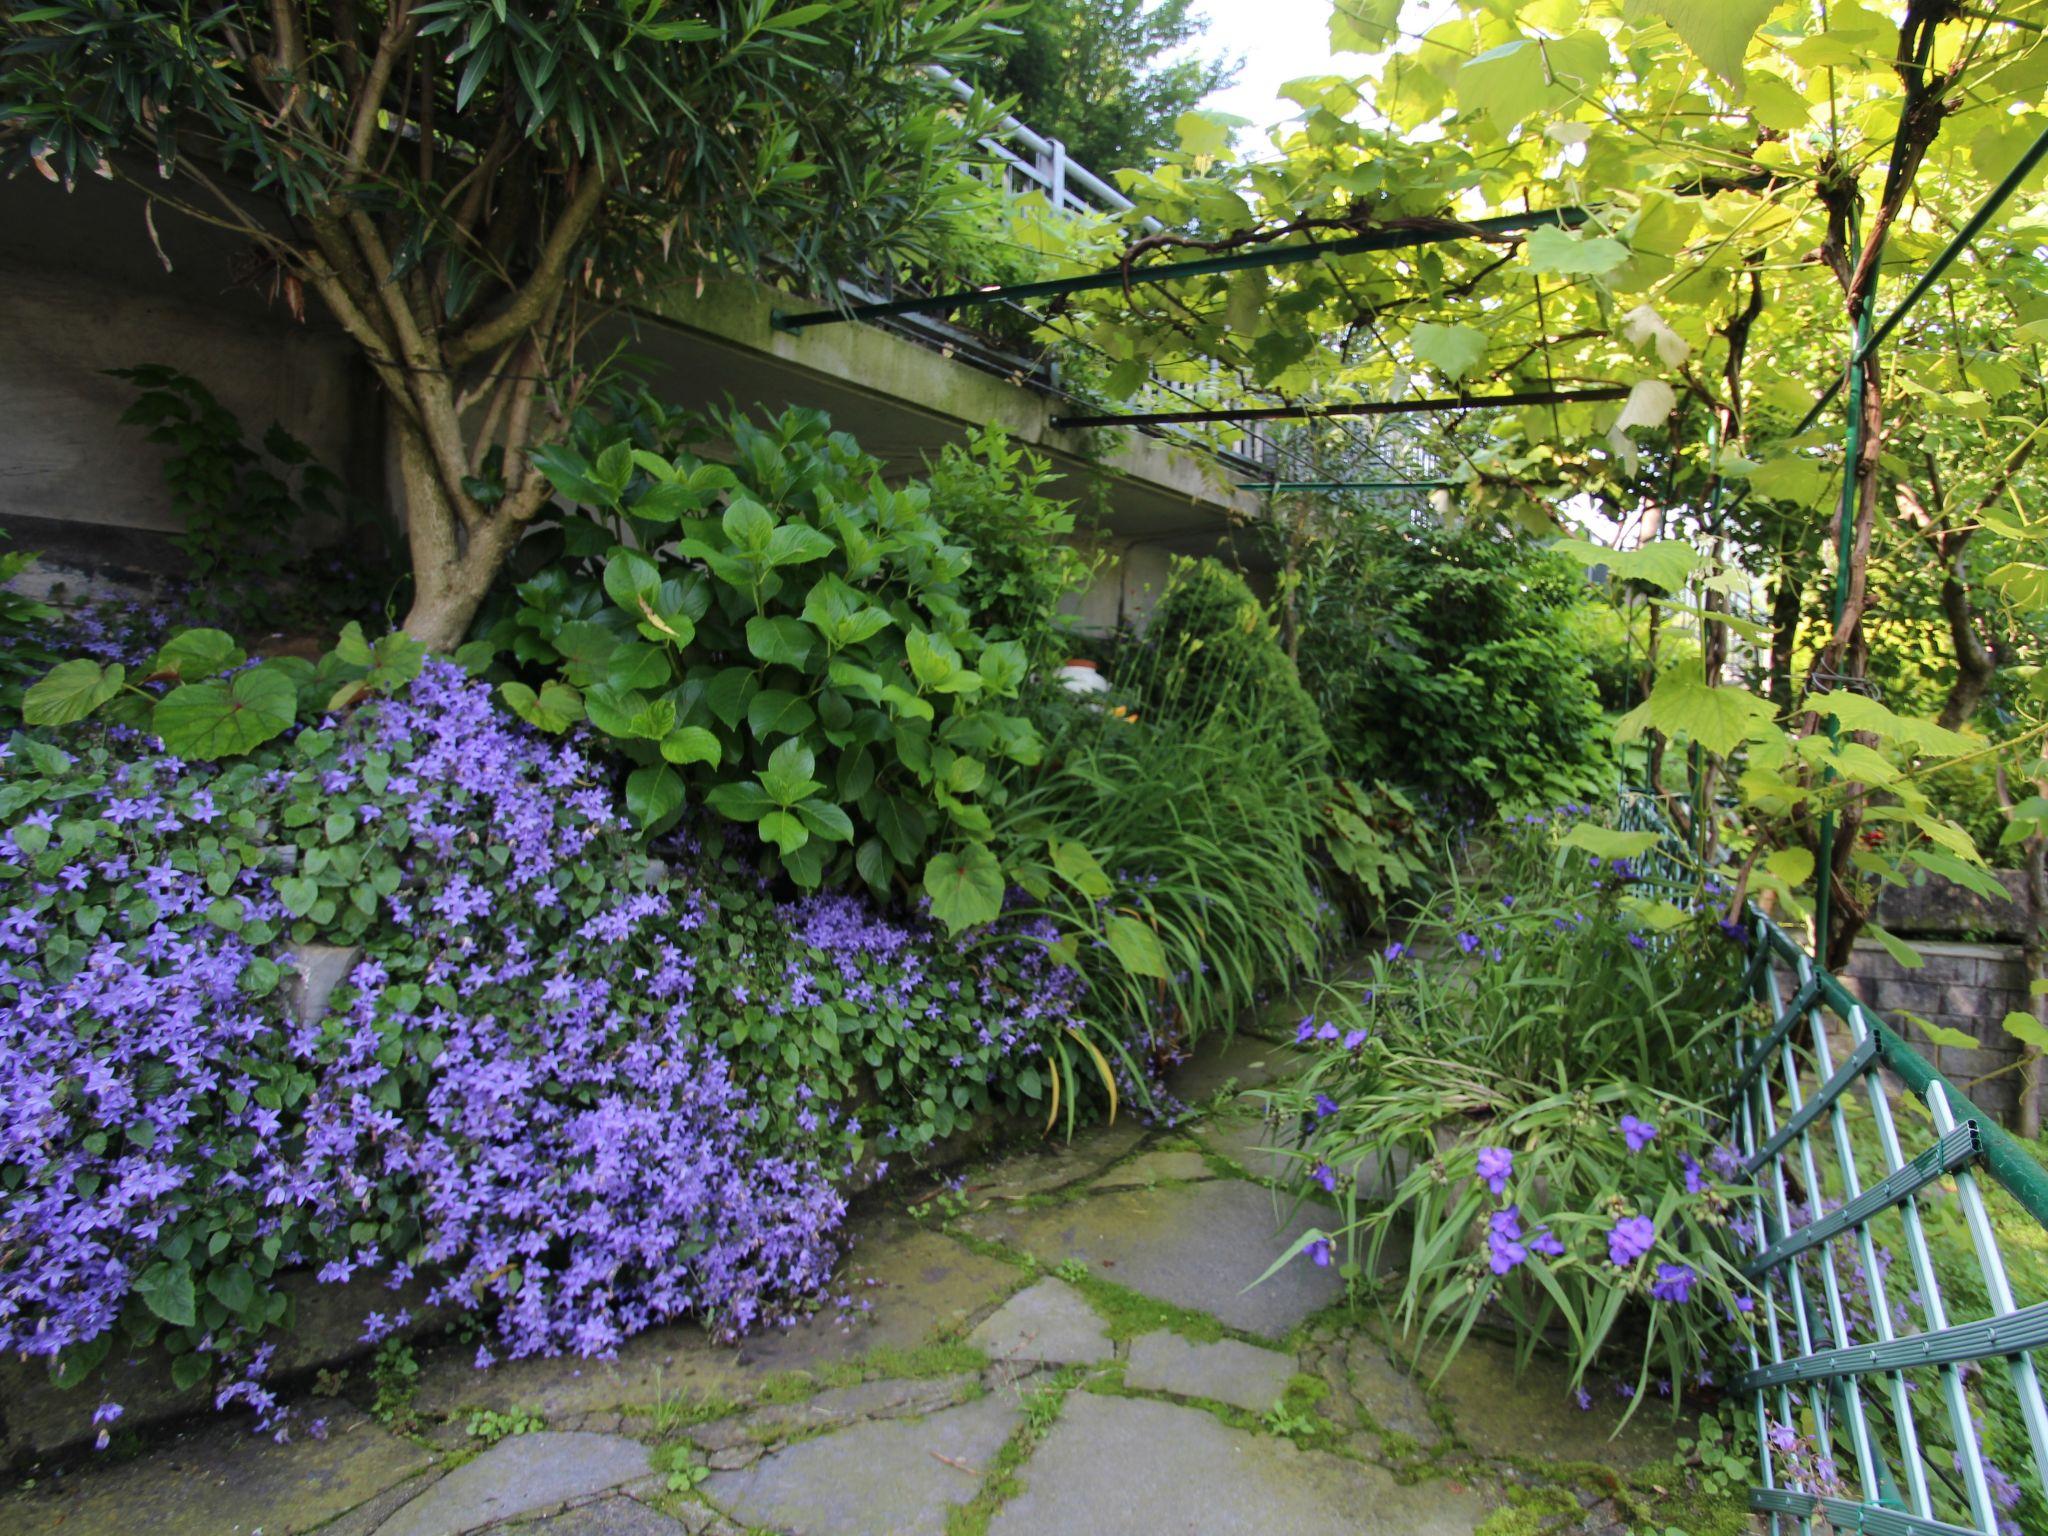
(1320, 1252)
(1325, 1106)
(1326, 1176)
(1674, 1283)
(1505, 1249)
(1695, 1178)
(1393, 952)
(1496, 1166)
(1541, 1241)
(1305, 1031)
(1583, 1398)
(1629, 1239)
(1637, 1133)
(1355, 1038)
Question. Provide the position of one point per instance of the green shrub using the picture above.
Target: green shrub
(24, 636)
(988, 493)
(785, 640)
(1527, 1092)
(1210, 647)
(1448, 660)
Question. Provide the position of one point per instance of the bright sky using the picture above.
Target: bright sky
(1279, 40)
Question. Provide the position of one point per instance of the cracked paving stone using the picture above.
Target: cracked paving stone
(885, 1477)
(1152, 1168)
(1047, 1324)
(832, 1409)
(614, 1516)
(1394, 1398)
(520, 1475)
(1131, 1467)
(1242, 1375)
(221, 1480)
(1202, 1246)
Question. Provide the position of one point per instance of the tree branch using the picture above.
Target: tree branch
(525, 308)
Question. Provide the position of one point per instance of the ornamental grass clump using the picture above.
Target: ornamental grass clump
(1521, 1099)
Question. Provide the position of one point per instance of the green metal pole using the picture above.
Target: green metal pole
(1844, 533)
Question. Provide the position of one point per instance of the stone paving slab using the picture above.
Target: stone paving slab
(1250, 1141)
(613, 1516)
(1197, 1245)
(1130, 1467)
(1393, 1397)
(885, 1478)
(1048, 1324)
(1150, 1168)
(1227, 1371)
(1534, 1415)
(221, 1480)
(521, 1474)
(1245, 1060)
(828, 1410)
(1054, 1164)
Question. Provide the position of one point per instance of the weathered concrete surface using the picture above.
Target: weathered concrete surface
(1227, 1371)
(889, 1478)
(222, 1481)
(752, 1432)
(1536, 1416)
(1197, 1245)
(1252, 1142)
(1391, 1396)
(614, 1516)
(1048, 1324)
(1053, 1166)
(1243, 1060)
(1130, 1467)
(1150, 1168)
(520, 1475)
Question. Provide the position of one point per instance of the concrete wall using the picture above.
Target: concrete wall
(87, 292)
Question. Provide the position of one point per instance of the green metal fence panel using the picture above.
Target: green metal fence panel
(1868, 1392)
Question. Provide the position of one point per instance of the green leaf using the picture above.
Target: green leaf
(1663, 563)
(1943, 1034)
(691, 744)
(1136, 946)
(1902, 953)
(2026, 1029)
(780, 641)
(797, 544)
(166, 1289)
(196, 653)
(787, 778)
(826, 820)
(1554, 250)
(965, 885)
(784, 830)
(233, 1287)
(1080, 869)
(773, 712)
(298, 894)
(1717, 31)
(741, 801)
(1453, 350)
(1684, 704)
(1506, 83)
(554, 709)
(226, 717)
(70, 691)
(1606, 843)
(1205, 133)
(654, 796)
(1860, 712)
(630, 576)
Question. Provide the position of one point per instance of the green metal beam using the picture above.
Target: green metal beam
(1354, 408)
(1392, 238)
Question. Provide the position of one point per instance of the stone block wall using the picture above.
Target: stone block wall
(1962, 985)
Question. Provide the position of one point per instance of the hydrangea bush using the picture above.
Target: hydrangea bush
(1523, 1088)
(575, 1088)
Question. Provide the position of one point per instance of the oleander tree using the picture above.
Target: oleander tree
(467, 186)
(1747, 177)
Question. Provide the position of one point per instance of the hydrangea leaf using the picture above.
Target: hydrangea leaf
(226, 717)
(780, 641)
(965, 885)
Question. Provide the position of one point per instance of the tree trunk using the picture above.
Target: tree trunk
(1785, 598)
(452, 566)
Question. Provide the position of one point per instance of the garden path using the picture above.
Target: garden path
(1066, 1340)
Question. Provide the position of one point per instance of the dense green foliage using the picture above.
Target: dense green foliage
(1448, 660)
(1525, 1090)
(990, 496)
(783, 639)
(1096, 75)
